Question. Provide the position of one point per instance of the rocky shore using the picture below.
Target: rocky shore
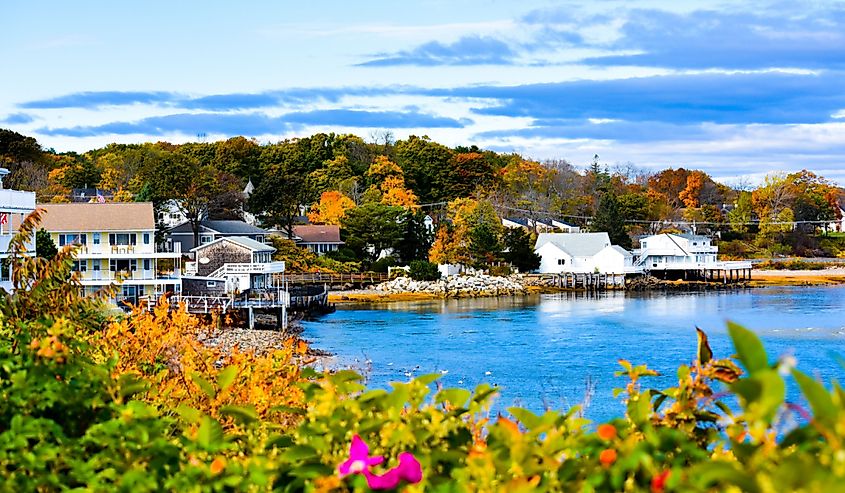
(456, 286)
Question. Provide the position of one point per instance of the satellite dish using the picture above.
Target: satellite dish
(204, 260)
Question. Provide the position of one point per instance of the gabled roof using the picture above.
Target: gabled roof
(108, 216)
(575, 244)
(622, 250)
(317, 233)
(255, 246)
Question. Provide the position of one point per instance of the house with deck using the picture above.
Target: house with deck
(582, 253)
(212, 230)
(115, 243)
(686, 256)
(15, 205)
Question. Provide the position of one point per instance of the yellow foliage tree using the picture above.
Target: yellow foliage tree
(388, 184)
(331, 208)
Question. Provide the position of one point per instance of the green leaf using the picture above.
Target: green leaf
(761, 395)
(819, 398)
(749, 348)
(709, 474)
(227, 376)
(131, 385)
(244, 414)
(526, 417)
(210, 433)
(456, 397)
(428, 379)
(705, 354)
(299, 452)
(204, 385)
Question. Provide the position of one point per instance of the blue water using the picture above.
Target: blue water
(552, 351)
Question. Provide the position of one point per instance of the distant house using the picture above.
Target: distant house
(319, 238)
(116, 244)
(539, 226)
(581, 253)
(169, 215)
(90, 195)
(211, 230)
(15, 205)
(238, 263)
(249, 218)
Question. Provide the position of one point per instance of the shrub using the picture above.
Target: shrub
(381, 265)
(500, 270)
(422, 270)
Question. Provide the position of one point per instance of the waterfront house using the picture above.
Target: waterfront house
(116, 244)
(581, 253)
(685, 256)
(15, 205)
(538, 226)
(211, 230)
(319, 238)
(241, 262)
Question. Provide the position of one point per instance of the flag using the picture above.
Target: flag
(4, 218)
(100, 198)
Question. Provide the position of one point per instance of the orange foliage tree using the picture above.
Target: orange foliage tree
(331, 208)
(388, 184)
(163, 348)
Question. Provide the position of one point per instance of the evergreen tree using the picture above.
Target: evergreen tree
(519, 251)
(609, 218)
(44, 246)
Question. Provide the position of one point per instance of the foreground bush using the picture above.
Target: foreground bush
(88, 403)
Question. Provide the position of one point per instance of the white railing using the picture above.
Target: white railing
(137, 275)
(234, 269)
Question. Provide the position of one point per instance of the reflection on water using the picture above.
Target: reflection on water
(547, 351)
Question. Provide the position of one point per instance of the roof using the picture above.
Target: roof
(224, 227)
(317, 233)
(108, 216)
(255, 246)
(575, 244)
(622, 250)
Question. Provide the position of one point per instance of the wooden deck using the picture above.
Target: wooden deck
(332, 279)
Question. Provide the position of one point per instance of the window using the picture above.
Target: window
(95, 264)
(561, 261)
(694, 244)
(146, 238)
(206, 239)
(122, 239)
(211, 284)
(72, 239)
(96, 238)
(643, 244)
(259, 238)
(122, 265)
(146, 264)
(80, 265)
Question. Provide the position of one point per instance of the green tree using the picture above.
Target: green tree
(519, 250)
(741, 214)
(277, 198)
(372, 228)
(44, 245)
(609, 219)
(426, 165)
(416, 239)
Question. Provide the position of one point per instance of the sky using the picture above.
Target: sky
(736, 88)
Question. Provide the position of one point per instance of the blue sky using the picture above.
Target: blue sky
(738, 89)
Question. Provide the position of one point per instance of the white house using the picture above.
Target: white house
(686, 256)
(15, 205)
(676, 251)
(581, 253)
(539, 226)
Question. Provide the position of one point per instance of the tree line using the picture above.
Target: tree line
(424, 200)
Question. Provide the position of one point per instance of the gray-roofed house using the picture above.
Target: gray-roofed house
(243, 262)
(581, 253)
(211, 230)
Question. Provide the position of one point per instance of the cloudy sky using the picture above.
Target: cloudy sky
(738, 89)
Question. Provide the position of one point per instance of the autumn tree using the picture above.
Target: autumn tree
(388, 184)
(740, 216)
(331, 209)
(425, 165)
(472, 236)
(772, 203)
(609, 219)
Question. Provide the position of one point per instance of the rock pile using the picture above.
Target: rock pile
(456, 286)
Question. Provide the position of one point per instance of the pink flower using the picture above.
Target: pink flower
(359, 459)
(359, 462)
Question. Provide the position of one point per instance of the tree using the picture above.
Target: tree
(740, 215)
(277, 198)
(372, 228)
(472, 238)
(388, 184)
(468, 171)
(44, 246)
(416, 239)
(519, 250)
(331, 208)
(425, 165)
(772, 203)
(609, 219)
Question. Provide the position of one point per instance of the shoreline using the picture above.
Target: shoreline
(759, 278)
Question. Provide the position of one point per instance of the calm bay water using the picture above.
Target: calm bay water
(553, 350)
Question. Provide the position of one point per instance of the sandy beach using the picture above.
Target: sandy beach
(798, 277)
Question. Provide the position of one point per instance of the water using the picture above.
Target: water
(550, 351)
